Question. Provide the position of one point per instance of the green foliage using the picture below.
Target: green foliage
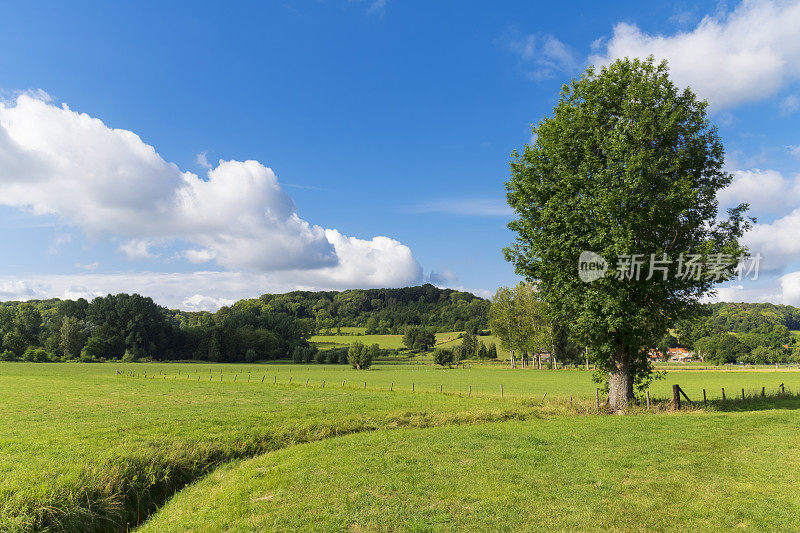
(626, 164)
(134, 328)
(35, 355)
(518, 318)
(483, 353)
(418, 338)
(384, 311)
(491, 351)
(361, 356)
(469, 344)
(443, 356)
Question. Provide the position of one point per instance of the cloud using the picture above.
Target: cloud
(546, 54)
(442, 278)
(89, 266)
(747, 54)
(767, 191)
(137, 249)
(201, 160)
(58, 242)
(374, 7)
(790, 104)
(777, 241)
(783, 290)
(110, 183)
(794, 150)
(467, 206)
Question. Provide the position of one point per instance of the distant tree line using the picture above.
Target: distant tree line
(130, 327)
(755, 333)
(385, 311)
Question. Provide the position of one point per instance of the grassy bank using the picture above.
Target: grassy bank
(82, 448)
(667, 472)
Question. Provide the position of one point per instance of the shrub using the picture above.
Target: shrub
(443, 356)
(250, 355)
(35, 355)
(361, 356)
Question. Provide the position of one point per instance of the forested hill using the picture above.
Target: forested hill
(385, 311)
(742, 332)
(273, 326)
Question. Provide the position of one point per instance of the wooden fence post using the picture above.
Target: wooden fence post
(723, 393)
(647, 395)
(705, 400)
(763, 392)
(412, 387)
(391, 387)
(290, 380)
(470, 391)
(597, 398)
(501, 390)
(782, 390)
(742, 394)
(676, 396)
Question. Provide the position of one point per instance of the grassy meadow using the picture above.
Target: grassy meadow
(393, 342)
(689, 472)
(85, 449)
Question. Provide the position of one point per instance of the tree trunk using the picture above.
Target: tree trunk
(620, 383)
(512, 358)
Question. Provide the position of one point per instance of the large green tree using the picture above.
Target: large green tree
(626, 166)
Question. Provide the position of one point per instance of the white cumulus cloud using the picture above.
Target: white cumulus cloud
(746, 54)
(767, 191)
(110, 183)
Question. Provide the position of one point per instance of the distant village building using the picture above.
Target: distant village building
(675, 355)
(680, 355)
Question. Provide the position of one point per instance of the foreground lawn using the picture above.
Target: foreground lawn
(82, 449)
(685, 472)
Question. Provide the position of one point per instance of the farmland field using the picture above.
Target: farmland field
(384, 341)
(82, 448)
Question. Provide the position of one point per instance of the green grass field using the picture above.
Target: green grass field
(713, 472)
(393, 342)
(83, 449)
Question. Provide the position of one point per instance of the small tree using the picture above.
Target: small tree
(418, 338)
(483, 353)
(361, 356)
(492, 351)
(470, 343)
(443, 356)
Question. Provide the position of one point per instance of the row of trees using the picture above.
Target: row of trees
(130, 327)
(520, 319)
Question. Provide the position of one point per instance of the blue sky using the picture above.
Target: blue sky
(378, 119)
